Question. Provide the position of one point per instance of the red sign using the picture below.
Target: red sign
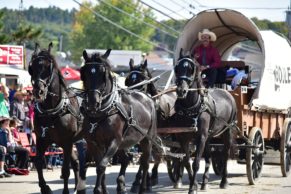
(11, 55)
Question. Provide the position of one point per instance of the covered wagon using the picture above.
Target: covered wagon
(263, 102)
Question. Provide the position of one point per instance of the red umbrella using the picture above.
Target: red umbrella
(70, 73)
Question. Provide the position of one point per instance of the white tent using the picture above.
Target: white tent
(232, 27)
(21, 75)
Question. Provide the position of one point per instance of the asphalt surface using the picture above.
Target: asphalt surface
(270, 182)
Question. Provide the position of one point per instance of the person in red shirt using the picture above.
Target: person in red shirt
(207, 56)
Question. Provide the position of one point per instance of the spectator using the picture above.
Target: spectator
(11, 146)
(4, 104)
(29, 111)
(14, 130)
(17, 108)
(3, 173)
(207, 56)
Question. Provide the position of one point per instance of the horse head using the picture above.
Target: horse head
(186, 72)
(97, 80)
(137, 74)
(42, 70)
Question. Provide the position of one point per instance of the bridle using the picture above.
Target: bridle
(143, 77)
(189, 79)
(101, 92)
(51, 77)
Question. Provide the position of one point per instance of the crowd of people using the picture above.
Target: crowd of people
(16, 115)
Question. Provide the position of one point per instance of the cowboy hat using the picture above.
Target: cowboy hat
(207, 32)
(20, 93)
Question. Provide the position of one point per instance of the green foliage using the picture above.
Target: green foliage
(42, 25)
(3, 37)
(90, 31)
(280, 27)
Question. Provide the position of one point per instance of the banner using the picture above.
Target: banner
(11, 55)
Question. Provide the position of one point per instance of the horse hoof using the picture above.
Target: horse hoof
(46, 190)
(134, 188)
(66, 191)
(204, 187)
(193, 192)
(178, 185)
(122, 192)
(149, 189)
(223, 185)
(81, 191)
(154, 181)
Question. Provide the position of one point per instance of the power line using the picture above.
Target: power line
(183, 7)
(121, 27)
(159, 11)
(152, 18)
(126, 13)
(168, 9)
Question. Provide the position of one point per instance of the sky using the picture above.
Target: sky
(273, 10)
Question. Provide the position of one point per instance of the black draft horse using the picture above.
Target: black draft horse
(117, 119)
(57, 116)
(165, 103)
(213, 114)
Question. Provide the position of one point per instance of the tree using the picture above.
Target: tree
(16, 32)
(3, 37)
(90, 31)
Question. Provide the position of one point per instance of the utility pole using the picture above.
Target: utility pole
(288, 21)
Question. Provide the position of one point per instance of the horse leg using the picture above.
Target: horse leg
(66, 166)
(41, 146)
(121, 177)
(186, 162)
(146, 147)
(136, 183)
(201, 137)
(207, 166)
(81, 186)
(100, 182)
(227, 136)
(157, 157)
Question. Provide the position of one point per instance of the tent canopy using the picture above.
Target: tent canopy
(273, 59)
(70, 73)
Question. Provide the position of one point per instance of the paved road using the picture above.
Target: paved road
(270, 182)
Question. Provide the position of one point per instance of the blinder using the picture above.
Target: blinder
(184, 63)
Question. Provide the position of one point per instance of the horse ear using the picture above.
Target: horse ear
(107, 53)
(85, 55)
(131, 64)
(82, 72)
(29, 69)
(50, 46)
(181, 53)
(145, 64)
(36, 49)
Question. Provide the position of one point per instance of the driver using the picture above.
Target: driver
(207, 56)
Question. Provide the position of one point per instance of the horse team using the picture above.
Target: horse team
(112, 119)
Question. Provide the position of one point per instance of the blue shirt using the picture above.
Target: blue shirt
(3, 137)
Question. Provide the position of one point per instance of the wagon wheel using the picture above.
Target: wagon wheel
(217, 162)
(255, 156)
(285, 154)
(175, 168)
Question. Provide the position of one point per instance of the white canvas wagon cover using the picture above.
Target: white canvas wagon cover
(232, 27)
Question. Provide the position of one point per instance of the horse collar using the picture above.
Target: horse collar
(60, 108)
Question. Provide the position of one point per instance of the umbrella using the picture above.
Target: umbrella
(70, 73)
